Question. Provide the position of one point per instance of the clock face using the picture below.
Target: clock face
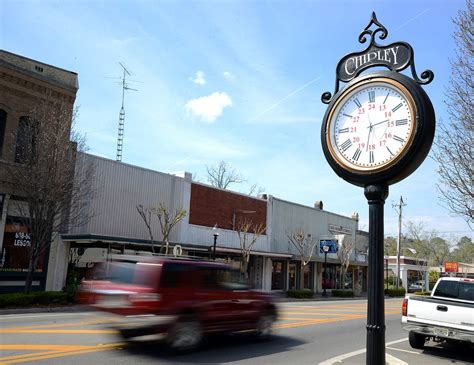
(371, 126)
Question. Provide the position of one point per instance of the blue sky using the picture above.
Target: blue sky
(238, 81)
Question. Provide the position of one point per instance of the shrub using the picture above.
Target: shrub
(343, 293)
(425, 293)
(393, 292)
(35, 298)
(302, 294)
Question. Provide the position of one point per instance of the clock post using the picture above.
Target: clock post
(377, 130)
(376, 195)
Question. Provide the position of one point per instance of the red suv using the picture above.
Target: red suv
(183, 298)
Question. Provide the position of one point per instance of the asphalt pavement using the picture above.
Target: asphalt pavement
(308, 332)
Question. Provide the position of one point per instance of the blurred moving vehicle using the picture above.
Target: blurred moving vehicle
(185, 299)
(446, 315)
(416, 286)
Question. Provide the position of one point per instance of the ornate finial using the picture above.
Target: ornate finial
(372, 33)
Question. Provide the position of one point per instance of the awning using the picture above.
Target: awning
(256, 253)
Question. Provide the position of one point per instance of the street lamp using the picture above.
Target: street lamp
(325, 250)
(215, 232)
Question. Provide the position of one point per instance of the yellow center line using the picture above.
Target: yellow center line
(67, 324)
(55, 331)
(53, 354)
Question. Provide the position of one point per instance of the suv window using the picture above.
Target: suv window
(217, 278)
(455, 289)
(175, 275)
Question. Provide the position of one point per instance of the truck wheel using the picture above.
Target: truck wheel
(184, 335)
(416, 340)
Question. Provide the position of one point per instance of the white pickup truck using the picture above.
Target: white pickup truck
(446, 315)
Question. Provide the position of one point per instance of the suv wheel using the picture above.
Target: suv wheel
(264, 325)
(184, 335)
(416, 340)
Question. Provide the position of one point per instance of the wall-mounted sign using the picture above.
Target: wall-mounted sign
(334, 228)
(332, 244)
(451, 266)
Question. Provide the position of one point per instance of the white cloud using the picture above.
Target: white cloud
(199, 78)
(210, 107)
(228, 76)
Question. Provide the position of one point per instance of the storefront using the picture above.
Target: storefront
(14, 258)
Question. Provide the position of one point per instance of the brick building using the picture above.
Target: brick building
(23, 81)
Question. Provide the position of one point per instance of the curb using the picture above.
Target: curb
(61, 309)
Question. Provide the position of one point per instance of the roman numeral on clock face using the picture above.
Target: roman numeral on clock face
(356, 155)
(345, 146)
(357, 102)
(371, 157)
(343, 130)
(388, 149)
(371, 96)
(398, 139)
(401, 122)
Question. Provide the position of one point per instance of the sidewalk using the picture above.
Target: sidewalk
(83, 308)
(319, 298)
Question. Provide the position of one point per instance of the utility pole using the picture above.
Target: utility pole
(399, 208)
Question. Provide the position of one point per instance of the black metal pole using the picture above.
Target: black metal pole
(214, 251)
(325, 283)
(376, 195)
(386, 272)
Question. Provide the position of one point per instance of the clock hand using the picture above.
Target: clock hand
(368, 136)
(383, 121)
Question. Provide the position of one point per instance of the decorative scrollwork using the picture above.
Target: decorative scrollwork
(372, 33)
(326, 97)
(395, 56)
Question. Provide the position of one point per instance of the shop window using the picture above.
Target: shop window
(25, 140)
(307, 275)
(3, 123)
(292, 276)
(278, 272)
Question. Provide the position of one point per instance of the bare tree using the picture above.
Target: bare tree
(146, 215)
(427, 244)
(344, 252)
(304, 243)
(222, 175)
(167, 222)
(454, 150)
(256, 190)
(248, 233)
(53, 193)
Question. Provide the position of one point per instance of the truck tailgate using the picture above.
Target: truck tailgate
(441, 312)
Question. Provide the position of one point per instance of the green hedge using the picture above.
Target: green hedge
(342, 293)
(392, 292)
(303, 294)
(35, 298)
(424, 293)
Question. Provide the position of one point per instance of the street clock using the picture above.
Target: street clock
(377, 130)
(380, 126)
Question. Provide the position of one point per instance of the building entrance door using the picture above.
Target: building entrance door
(292, 280)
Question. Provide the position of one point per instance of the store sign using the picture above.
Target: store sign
(451, 266)
(22, 239)
(334, 228)
(16, 243)
(332, 244)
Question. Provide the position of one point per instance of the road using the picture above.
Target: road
(329, 332)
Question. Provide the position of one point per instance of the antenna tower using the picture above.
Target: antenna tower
(121, 123)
